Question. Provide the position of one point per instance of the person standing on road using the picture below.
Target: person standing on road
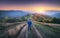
(29, 24)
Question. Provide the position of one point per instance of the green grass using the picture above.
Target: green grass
(31, 34)
(49, 31)
(2, 28)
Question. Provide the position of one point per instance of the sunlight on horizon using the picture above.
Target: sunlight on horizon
(34, 8)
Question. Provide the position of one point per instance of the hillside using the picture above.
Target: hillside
(46, 18)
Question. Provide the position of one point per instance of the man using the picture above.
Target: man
(29, 24)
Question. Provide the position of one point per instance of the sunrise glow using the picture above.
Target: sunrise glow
(40, 8)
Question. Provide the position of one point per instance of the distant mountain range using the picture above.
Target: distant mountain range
(12, 13)
(19, 13)
(57, 15)
(53, 13)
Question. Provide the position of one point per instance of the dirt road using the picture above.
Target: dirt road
(33, 33)
(21, 31)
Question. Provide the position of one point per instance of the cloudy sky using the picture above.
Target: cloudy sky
(39, 6)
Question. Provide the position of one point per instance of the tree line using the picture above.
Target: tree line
(48, 20)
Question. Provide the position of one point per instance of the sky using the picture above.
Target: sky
(35, 6)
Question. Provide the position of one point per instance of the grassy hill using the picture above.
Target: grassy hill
(45, 18)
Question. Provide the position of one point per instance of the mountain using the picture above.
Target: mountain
(57, 15)
(53, 13)
(12, 13)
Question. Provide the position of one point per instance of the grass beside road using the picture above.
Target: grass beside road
(31, 35)
(4, 28)
(48, 31)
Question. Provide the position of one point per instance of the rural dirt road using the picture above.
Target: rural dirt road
(25, 33)
(21, 31)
